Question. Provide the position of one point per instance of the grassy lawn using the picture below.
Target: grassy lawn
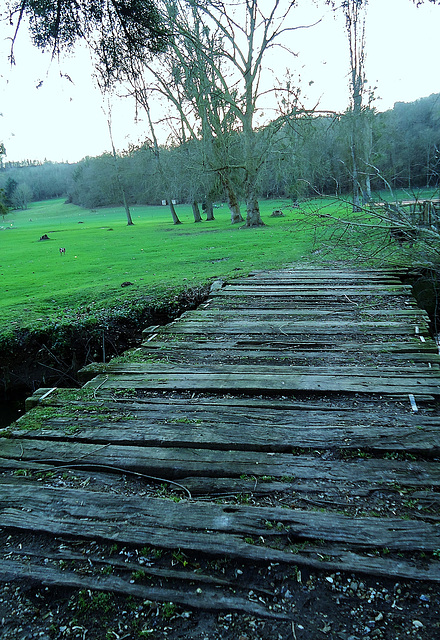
(102, 253)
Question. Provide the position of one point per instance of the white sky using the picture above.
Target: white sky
(64, 121)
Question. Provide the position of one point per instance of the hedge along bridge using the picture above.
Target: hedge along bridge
(291, 419)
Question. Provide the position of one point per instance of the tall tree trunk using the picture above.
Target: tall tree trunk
(253, 218)
(252, 158)
(126, 207)
(143, 100)
(367, 195)
(173, 212)
(196, 211)
(367, 151)
(117, 171)
(428, 162)
(354, 11)
(232, 200)
(209, 210)
(355, 176)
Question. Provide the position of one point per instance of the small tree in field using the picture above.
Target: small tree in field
(22, 196)
(2, 154)
(10, 188)
(118, 175)
(3, 207)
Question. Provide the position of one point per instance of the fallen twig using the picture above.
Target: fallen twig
(99, 386)
(352, 301)
(293, 631)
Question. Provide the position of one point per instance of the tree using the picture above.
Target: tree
(118, 175)
(2, 154)
(358, 115)
(3, 206)
(197, 62)
(10, 188)
(216, 79)
(94, 182)
(183, 80)
(246, 34)
(21, 196)
(143, 100)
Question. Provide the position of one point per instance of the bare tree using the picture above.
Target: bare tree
(354, 11)
(22, 196)
(118, 175)
(248, 31)
(392, 231)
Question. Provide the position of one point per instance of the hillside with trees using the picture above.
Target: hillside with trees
(29, 181)
(307, 156)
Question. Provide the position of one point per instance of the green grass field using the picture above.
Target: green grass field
(102, 253)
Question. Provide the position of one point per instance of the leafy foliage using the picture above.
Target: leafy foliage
(103, 24)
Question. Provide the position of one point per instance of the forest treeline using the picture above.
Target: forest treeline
(308, 155)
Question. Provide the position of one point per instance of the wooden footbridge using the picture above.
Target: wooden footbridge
(292, 421)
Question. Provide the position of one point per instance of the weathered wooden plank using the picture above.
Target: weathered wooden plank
(331, 284)
(140, 368)
(310, 313)
(275, 288)
(247, 412)
(324, 558)
(171, 462)
(331, 270)
(149, 570)
(333, 303)
(180, 354)
(316, 278)
(376, 408)
(325, 272)
(287, 327)
(317, 491)
(426, 352)
(161, 519)
(37, 396)
(275, 382)
(303, 280)
(192, 432)
(322, 489)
